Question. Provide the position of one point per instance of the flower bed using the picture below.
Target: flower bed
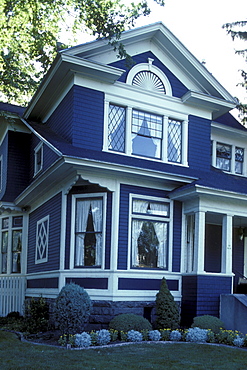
(192, 335)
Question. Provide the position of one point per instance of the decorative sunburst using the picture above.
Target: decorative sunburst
(149, 81)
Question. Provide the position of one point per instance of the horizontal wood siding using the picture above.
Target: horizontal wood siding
(52, 208)
(199, 143)
(178, 88)
(18, 164)
(125, 190)
(213, 248)
(62, 118)
(145, 284)
(89, 283)
(88, 119)
(177, 223)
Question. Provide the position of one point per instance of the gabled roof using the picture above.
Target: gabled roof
(93, 60)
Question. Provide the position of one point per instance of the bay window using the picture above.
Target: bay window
(149, 234)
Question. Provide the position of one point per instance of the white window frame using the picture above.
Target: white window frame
(233, 145)
(166, 114)
(37, 149)
(9, 253)
(168, 219)
(46, 248)
(75, 197)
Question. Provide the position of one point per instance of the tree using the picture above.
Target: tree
(236, 31)
(167, 312)
(31, 29)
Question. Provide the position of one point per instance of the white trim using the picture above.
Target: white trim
(150, 67)
(63, 229)
(1, 173)
(47, 230)
(72, 234)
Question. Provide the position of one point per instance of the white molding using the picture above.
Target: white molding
(44, 259)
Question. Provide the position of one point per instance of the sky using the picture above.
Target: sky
(198, 25)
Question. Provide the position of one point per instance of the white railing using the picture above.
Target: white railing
(12, 294)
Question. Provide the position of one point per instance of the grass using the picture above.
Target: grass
(15, 355)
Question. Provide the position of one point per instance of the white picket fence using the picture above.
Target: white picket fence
(12, 294)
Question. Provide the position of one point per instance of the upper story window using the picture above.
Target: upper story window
(11, 244)
(135, 132)
(38, 158)
(229, 158)
(89, 226)
(149, 233)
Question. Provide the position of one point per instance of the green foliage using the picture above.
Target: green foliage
(208, 322)
(167, 312)
(129, 321)
(36, 316)
(237, 31)
(226, 336)
(31, 29)
(72, 309)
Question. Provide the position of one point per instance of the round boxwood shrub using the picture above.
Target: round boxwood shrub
(129, 321)
(208, 322)
(72, 309)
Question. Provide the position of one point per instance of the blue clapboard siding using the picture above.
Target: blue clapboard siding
(145, 284)
(201, 296)
(84, 190)
(89, 283)
(178, 88)
(177, 223)
(17, 175)
(79, 118)
(125, 190)
(44, 283)
(52, 208)
(213, 248)
(199, 143)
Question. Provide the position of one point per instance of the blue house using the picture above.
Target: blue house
(116, 176)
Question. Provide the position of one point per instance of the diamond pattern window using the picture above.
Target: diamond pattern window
(116, 128)
(174, 150)
(42, 238)
(239, 160)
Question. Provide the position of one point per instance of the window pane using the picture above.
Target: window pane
(239, 159)
(16, 250)
(146, 134)
(116, 128)
(150, 208)
(17, 221)
(88, 239)
(149, 244)
(223, 156)
(5, 223)
(174, 141)
(4, 249)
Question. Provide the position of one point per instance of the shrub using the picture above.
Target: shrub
(36, 315)
(165, 334)
(154, 335)
(226, 336)
(129, 321)
(208, 322)
(238, 341)
(134, 336)
(175, 336)
(196, 335)
(72, 309)
(166, 308)
(104, 337)
(83, 340)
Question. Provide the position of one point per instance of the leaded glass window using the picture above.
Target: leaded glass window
(149, 234)
(116, 128)
(223, 156)
(147, 131)
(174, 141)
(239, 159)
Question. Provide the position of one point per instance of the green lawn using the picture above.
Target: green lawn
(15, 355)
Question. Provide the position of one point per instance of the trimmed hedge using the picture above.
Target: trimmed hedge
(208, 322)
(129, 321)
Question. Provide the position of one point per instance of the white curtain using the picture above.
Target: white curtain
(96, 206)
(139, 206)
(161, 233)
(82, 211)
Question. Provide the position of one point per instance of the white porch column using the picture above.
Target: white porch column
(199, 242)
(226, 260)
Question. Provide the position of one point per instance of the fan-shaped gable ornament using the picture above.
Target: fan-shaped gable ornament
(149, 81)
